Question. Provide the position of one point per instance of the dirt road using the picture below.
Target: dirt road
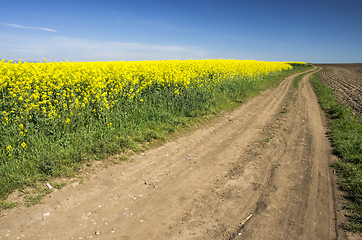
(259, 172)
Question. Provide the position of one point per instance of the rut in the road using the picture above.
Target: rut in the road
(255, 163)
(301, 202)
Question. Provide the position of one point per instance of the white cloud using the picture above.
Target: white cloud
(74, 49)
(27, 27)
(31, 51)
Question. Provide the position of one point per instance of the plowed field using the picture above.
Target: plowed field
(346, 81)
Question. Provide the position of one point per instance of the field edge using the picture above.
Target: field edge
(345, 131)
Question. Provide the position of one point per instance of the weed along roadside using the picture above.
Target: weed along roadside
(56, 117)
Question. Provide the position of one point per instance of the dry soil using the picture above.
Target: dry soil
(346, 81)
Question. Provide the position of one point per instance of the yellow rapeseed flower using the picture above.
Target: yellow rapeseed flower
(55, 90)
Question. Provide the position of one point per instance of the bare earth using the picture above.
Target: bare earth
(259, 172)
(346, 81)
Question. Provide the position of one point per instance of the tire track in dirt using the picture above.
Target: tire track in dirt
(203, 185)
(302, 204)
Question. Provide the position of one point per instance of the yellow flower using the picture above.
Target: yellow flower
(8, 148)
(56, 90)
(23, 144)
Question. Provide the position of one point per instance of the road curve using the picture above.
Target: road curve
(259, 172)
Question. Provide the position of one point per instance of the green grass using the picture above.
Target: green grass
(297, 80)
(62, 150)
(7, 205)
(345, 131)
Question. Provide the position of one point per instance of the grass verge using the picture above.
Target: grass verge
(345, 131)
(297, 80)
(134, 125)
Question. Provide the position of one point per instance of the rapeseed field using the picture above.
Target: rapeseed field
(54, 116)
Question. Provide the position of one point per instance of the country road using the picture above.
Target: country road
(259, 172)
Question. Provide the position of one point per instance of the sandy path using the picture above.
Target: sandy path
(255, 163)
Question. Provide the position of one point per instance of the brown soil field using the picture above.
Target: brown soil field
(262, 171)
(346, 81)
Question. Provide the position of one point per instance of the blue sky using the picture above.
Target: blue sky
(105, 30)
